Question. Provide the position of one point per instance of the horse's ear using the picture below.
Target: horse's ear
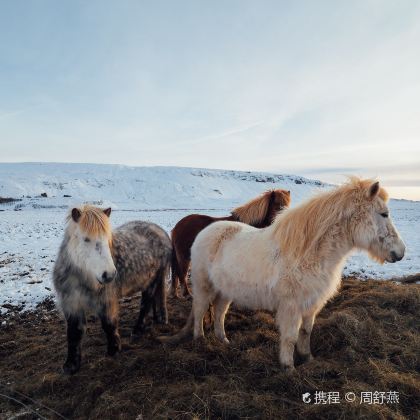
(373, 190)
(75, 214)
(288, 192)
(108, 211)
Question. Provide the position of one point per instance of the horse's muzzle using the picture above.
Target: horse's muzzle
(107, 276)
(394, 257)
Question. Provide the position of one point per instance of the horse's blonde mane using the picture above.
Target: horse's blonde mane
(300, 230)
(255, 211)
(93, 221)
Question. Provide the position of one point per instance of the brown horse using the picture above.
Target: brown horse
(259, 212)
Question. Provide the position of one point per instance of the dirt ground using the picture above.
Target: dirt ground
(365, 340)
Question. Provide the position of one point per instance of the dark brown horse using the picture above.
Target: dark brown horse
(259, 212)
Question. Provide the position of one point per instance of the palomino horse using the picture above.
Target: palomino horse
(291, 267)
(259, 212)
(96, 266)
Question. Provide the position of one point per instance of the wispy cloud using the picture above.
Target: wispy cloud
(10, 114)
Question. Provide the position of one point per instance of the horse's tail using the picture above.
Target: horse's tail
(185, 331)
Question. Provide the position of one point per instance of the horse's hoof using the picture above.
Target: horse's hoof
(112, 351)
(223, 340)
(161, 320)
(114, 347)
(303, 358)
(71, 367)
(310, 358)
(287, 368)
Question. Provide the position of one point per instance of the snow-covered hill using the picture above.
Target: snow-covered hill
(31, 229)
(140, 187)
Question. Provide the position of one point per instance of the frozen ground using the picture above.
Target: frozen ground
(32, 229)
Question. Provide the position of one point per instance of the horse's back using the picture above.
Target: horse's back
(140, 233)
(186, 230)
(193, 219)
(213, 238)
(140, 249)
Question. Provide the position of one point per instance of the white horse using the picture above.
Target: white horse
(291, 267)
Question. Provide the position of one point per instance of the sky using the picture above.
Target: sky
(322, 89)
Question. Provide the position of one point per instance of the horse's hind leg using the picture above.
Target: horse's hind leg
(200, 306)
(145, 305)
(303, 345)
(160, 311)
(181, 257)
(221, 306)
(184, 265)
(109, 321)
(201, 301)
(76, 325)
(174, 275)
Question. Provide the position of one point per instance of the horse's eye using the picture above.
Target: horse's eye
(384, 214)
(87, 240)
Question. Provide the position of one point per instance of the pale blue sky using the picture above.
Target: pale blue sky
(318, 88)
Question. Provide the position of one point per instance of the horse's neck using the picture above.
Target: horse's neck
(265, 222)
(270, 216)
(329, 251)
(333, 247)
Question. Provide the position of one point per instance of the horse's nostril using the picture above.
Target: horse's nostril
(108, 276)
(395, 257)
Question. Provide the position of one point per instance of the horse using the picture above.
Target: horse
(258, 212)
(293, 267)
(96, 266)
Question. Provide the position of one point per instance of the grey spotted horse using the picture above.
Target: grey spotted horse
(96, 266)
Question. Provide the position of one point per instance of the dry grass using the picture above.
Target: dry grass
(366, 339)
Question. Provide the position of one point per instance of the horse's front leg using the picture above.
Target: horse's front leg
(110, 327)
(76, 325)
(303, 345)
(288, 321)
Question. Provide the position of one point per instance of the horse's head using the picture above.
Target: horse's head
(89, 244)
(372, 226)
